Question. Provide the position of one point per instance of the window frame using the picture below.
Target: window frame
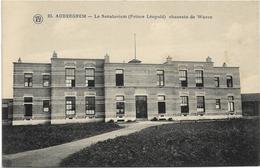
(90, 76)
(90, 106)
(201, 105)
(120, 105)
(73, 106)
(184, 104)
(229, 81)
(119, 77)
(218, 104)
(199, 77)
(183, 78)
(29, 80)
(70, 82)
(44, 80)
(161, 104)
(216, 81)
(231, 104)
(160, 78)
(44, 106)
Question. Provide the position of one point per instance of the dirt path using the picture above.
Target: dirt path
(52, 156)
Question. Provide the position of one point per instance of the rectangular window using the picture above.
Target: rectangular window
(199, 78)
(161, 104)
(184, 104)
(46, 105)
(70, 77)
(218, 105)
(160, 78)
(46, 80)
(216, 79)
(231, 107)
(90, 105)
(90, 77)
(28, 79)
(70, 106)
(119, 77)
(183, 78)
(120, 105)
(200, 104)
(229, 81)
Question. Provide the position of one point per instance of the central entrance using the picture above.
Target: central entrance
(141, 106)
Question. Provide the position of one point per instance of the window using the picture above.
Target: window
(183, 78)
(231, 107)
(161, 104)
(199, 78)
(119, 77)
(218, 105)
(184, 104)
(70, 106)
(160, 78)
(90, 77)
(46, 80)
(46, 105)
(200, 104)
(216, 79)
(28, 99)
(90, 105)
(28, 79)
(120, 105)
(229, 81)
(70, 77)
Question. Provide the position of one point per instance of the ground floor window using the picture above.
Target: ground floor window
(200, 104)
(120, 105)
(46, 105)
(184, 104)
(231, 107)
(161, 104)
(70, 106)
(90, 105)
(218, 104)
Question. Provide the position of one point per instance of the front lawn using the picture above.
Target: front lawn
(24, 138)
(216, 143)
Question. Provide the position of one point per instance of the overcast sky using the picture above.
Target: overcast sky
(232, 35)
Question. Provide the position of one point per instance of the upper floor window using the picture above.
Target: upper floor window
(160, 78)
(218, 104)
(46, 105)
(229, 81)
(184, 104)
(90, 77)
(90, 105)
(183, 78)
(119, 77)
(216, 79)
(199, 78)
(231, 107)
(161, 104)
(46, 80)
(28, 79)
(200, 104)
(120, 105)
(70, 106)
(70, 77)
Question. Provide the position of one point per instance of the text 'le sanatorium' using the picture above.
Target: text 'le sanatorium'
(131, 16)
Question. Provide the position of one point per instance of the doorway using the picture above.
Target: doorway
(141, 107)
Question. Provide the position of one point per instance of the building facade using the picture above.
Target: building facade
(85, 90)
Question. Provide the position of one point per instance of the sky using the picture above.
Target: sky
(231, 35)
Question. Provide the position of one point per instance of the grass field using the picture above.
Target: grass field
(24, 138)
(216, 143)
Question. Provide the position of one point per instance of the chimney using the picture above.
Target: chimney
(224, 64)
(168, 59)
(54, 55)
(19, 60)
(106, 58)
(208, 59)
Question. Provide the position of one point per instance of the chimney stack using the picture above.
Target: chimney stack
(107, 58)
(224, 64)
(19, 60)
(208, 59)
(54, 55)
(168, 59)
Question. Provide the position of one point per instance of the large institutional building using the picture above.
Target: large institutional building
(71, 90)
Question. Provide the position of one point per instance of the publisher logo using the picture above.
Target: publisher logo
(37, 19)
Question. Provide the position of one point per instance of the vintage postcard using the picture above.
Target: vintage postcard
(130, 83)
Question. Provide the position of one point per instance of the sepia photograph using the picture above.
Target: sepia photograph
(130, 83)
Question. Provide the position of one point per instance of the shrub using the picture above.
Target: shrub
(170, 119)
(154, 119)
(111, 121)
